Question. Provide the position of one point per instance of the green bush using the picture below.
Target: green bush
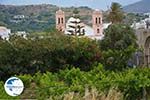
(51, 53)
(118, 46)
(130, 83)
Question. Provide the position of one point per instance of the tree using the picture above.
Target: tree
(75, 13)
(118, 37)
(116, 14)
(118, 46)
(76, 28)
(46, 52)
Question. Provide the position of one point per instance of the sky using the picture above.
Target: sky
(95, 4)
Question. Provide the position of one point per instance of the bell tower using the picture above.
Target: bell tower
(97, 22)
(60, 20)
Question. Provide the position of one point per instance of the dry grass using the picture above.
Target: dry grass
(93, 94)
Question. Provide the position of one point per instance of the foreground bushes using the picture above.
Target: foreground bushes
(129, 84)
(29, 55)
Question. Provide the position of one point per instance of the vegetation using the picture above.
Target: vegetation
(59, 67)
(131, 18)
(55, 66)
(116, 14)
(76, 12)
(46, 53)
(118, 46)
(75, 84)
(75, 28)
(36, 18)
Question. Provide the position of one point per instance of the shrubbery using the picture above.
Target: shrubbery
(118, 46)
(130, 83)
(54, 66)
(47, 53)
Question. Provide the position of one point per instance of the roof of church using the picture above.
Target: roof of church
(60, 11)
(97, 11)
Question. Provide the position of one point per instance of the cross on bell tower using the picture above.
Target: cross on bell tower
(97, 22)
(60, 20)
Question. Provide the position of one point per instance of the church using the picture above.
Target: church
(74, 26)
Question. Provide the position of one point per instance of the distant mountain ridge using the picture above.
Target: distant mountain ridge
(32, 18)
(142, 6)
(37, 9)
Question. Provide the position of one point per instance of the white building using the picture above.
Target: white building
(148, 14)
(19, 17)
(4, 32)
(22, 33)
(143, 24)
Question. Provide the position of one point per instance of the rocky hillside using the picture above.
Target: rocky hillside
(32, 18)
(138, 7)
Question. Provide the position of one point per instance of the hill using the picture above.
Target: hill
(138, 7)
(33, 18)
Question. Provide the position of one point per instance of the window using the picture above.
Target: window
(58, 20)
(96, 21)
(60, 29)
(62, 21)
(99, 20)
(98, 31)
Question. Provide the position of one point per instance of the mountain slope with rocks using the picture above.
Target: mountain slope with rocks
(138, 7)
